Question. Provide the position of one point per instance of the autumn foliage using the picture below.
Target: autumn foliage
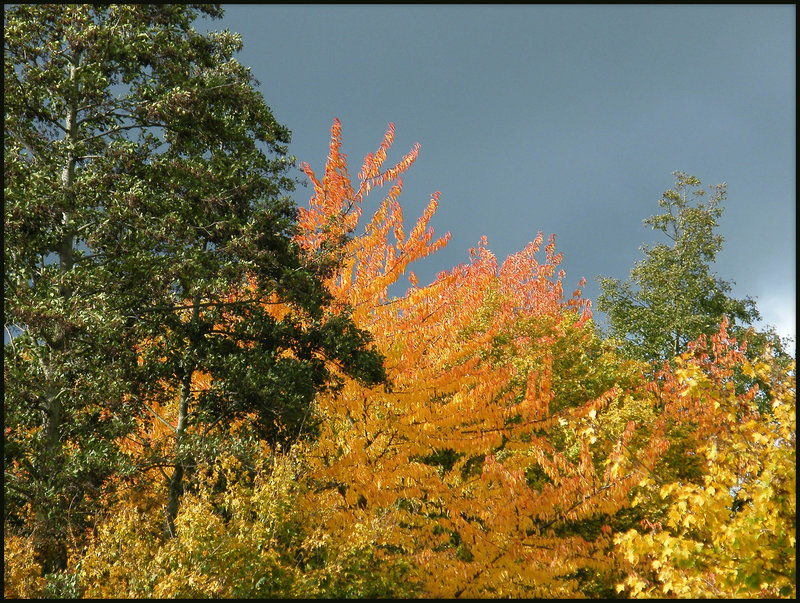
(730, 532)
(482, 465)
(472, 462)
(514, 453)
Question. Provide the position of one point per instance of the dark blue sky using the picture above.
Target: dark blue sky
(566, 119)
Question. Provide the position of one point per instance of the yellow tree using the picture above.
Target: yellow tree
(731, 531)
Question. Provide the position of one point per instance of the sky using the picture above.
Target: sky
(565, 119)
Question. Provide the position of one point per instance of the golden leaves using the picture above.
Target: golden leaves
(22, 574)
(725, 535)
(470, 358)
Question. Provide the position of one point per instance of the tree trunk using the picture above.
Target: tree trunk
(51, 550)
(176, 481)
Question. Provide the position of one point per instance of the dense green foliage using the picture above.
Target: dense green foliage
(145, 178)
(672, 295)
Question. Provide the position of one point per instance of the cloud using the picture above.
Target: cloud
(779, 312)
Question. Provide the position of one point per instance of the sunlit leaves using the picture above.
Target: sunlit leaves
(252, 539)
(512, 453)
(474, 406)
(731, 533)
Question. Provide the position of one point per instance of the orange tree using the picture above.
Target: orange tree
(503, 449)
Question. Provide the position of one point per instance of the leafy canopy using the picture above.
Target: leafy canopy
(145, 181)
(672, 296)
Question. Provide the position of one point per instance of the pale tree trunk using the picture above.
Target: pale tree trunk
(51, 549)
(176, 481)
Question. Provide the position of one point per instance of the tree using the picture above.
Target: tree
(146, 181)
(672, 296)
(515, 454)
(266, 543)
(496, 476)
(731, 531)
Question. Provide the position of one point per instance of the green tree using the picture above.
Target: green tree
(145, 181)
(672, 296)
